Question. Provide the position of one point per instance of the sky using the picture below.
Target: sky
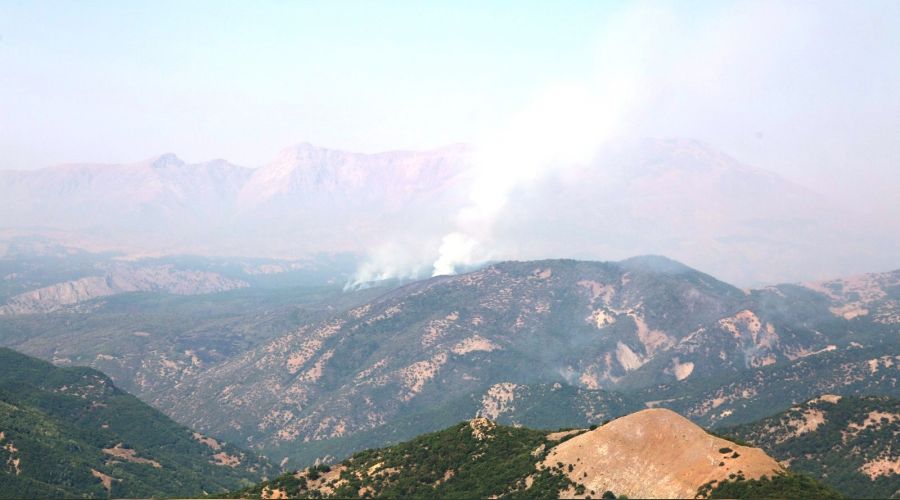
(806, 89)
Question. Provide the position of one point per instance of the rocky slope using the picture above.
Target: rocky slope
(69, 432)
(874, 295)
(848, 442)
(116, 279)
(755, 393)
(649, 454)
(714, 402)
(660, 331)
(150, 342)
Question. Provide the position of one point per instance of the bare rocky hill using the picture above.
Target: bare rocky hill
(679, 456)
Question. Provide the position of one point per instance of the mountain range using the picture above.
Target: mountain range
(677, 197)
(291, 366)
(312, 372)
(69, 432)
(649, 329)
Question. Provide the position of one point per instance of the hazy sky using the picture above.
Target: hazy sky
(808, 89)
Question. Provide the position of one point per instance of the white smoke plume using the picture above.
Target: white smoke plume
(656, 72)
(562, 127)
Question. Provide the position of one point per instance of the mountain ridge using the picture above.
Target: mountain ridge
(590, 325)
(651, 195)
(649, 454)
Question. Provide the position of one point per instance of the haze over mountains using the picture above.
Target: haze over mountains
(510, 250)
(291, 309)
(679, 198)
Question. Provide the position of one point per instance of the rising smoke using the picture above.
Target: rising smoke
(655, 72)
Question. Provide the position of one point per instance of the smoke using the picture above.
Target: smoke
(392, 260)
(739, 72)
(562, 127)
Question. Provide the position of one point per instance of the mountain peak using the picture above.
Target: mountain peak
(300, 151)
(166, 160)
(655, 263)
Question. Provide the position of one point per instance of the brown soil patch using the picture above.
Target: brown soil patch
(881, 467)
(129, 455)
(208, 441)
(329, 481)
(474, 343)
(226, 460)
(497, 400)
(104, 479)
(268, 493)
(482, 428)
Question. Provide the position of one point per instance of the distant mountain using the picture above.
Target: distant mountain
(119, 278)
(613, 336)
(150, 195)
(69, 432)
(36, 277)
(292, 206)
(303, 173)
(312, 199)
(677, 197)
(848, 442)
(649, 454)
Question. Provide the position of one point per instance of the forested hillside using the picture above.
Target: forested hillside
(69, 432)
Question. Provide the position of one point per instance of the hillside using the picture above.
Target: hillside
(69, 432)
(848, 442)
(308, 371)
(649, 328)
(148, 339)
(649, 454)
